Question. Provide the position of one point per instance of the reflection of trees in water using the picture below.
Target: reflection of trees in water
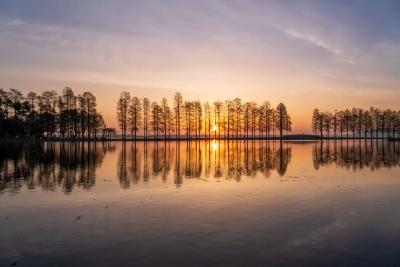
(71, 164)
(357, 154)
(50, 165)
(251, 157)
(141, 160)
(195, 159)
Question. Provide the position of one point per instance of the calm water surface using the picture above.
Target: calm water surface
(200, 204)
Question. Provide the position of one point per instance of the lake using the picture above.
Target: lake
(207, 203)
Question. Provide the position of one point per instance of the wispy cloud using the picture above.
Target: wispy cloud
(15, 22)
(317, 42)
(313, 41)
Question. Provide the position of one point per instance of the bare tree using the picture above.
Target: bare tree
(88, 111)
(253, 118)
(284, 121)
(47, 108)
(166, 116)
(178, 102)
(229, 115)
(198, 117)
(238, 110)
(188, 105)
(122, 111)
(156, 118)
(217, 117)
(247, 118)
(135, 115)
(207, 119)
(146, 110)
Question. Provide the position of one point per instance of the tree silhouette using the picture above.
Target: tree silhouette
(48, 114)
(156, 118)
(207, 119)
(122, 112)
(135, 115)
(146, 110)
(283, 120)
(238, 110)
(87, 102)
(217, 117)
(178, 102)
(166, 117)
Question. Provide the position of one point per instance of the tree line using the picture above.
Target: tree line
(193, 120)
(357, 123)
(49, 114)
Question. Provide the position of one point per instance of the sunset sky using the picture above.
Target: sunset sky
(326, 54)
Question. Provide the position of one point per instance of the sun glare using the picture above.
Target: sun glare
(215, 146)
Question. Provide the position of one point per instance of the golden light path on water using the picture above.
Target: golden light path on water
(269, 202)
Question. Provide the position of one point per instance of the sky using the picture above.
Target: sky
(306, 54)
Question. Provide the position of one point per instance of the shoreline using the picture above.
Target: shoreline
(222, 138)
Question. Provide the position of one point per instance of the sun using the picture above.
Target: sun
(214, 128)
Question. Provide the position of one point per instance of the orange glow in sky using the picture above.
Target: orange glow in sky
(300, 54)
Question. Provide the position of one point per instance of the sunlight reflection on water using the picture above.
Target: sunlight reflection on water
(200, 204)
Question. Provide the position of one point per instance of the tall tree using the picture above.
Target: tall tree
(178, 103)
(229, 115)
(188, 108)
(146, 111)
(284, 121)
(218, 105)
(122, 112)
(135, 115)
(156, 118)
(15, 97)
(207, 119)
(68, 112)
(238, 110)
(47, 106)
(247, 118)
(88, 104)
(166, 116)
(32, 97)
(253, 118)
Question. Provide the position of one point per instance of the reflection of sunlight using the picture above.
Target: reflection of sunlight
(215, 145)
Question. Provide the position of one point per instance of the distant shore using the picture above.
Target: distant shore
(294, 137)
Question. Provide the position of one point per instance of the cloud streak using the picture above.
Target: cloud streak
(317, 42)
(313, 41)
(15, 23)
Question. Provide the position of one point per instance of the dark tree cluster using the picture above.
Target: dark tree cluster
(193, 120)
(49, 115)
(357, 123)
